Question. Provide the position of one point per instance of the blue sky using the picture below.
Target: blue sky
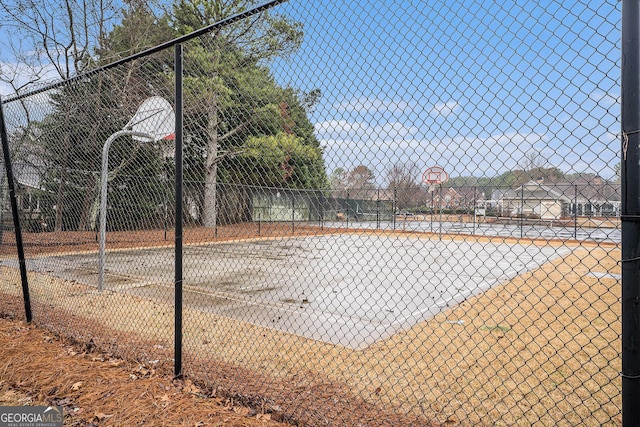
(470, 86)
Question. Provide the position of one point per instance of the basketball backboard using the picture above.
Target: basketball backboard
(155, 117)
(435, 175)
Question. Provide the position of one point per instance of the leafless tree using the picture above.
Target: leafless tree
(403, 177)
(51, 38)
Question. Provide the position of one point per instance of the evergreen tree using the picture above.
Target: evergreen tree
(231, 95)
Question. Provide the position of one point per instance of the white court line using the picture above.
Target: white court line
(604, 275)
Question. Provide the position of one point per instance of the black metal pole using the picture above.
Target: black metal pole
(3, 194)
(347, 210)
(440, 203)
(630, 215)
(219, 190)
(178, 234)
(293, 213)
(575, 211)
(433, 208)
(521, 211)
(16, 218)
(394, 206)
(378, 209)
(474, 210)
(322, 202)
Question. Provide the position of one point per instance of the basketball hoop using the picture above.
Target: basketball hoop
(155, 118)
(153, 121)
(435, 175)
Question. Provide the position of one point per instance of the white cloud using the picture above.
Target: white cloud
(468, 156)
(339, 129)
(372, 105)
(24, 77)
(605, 99)
(445, 108)
(343, 130)
(459, 156)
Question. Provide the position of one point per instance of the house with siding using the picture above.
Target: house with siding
(585, 196)
(536, 200)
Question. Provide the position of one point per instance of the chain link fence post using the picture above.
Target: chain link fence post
(17, 226)
(630, 216)
(179, 183)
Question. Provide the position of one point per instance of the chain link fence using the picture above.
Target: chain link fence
(329, 276)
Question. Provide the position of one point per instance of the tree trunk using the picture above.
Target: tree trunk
(60, 199)
(62, 183)
(87, 204)
(211, 171)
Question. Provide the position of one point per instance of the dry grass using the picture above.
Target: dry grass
(542, 348)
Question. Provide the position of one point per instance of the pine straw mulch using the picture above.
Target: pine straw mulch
(77, 371)
(95, 389)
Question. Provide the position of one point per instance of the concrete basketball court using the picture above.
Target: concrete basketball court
(349, 289)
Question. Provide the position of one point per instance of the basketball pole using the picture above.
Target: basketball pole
(433, 176)
(104, 182)
(474, 211)
(440, 226)
(433, 210)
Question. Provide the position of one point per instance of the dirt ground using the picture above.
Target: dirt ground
(76, 241)
(542, 348)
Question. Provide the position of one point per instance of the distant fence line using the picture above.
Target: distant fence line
(238, 203)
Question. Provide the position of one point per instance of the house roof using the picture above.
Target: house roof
(535, 190)
(590, 191)
(584, 191)
(27, 172)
